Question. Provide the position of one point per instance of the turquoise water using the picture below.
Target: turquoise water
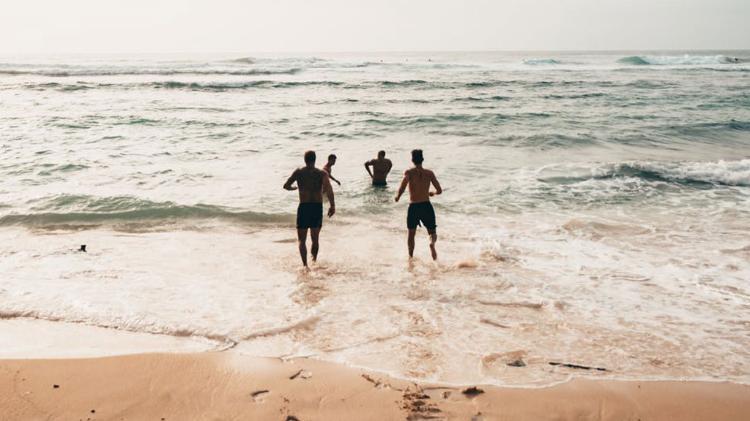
(596, 204)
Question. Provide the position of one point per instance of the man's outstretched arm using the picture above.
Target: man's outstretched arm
(435, 183)
(367, 167)
(402, 187)
(329, 194)
(292, 178)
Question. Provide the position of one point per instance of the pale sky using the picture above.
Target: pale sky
(145, 26)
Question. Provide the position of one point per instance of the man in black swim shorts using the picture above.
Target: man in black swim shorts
(311, 183)
(421, 211)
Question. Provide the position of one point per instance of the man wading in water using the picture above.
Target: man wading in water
(420, 209)
(380, 169)
(311, 183)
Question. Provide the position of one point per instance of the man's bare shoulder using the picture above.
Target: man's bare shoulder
(305, 171)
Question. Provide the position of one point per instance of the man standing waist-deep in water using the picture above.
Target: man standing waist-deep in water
(380, 169)
(311, 183)
(420, 209)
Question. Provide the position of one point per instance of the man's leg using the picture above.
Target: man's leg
(302, 239)
(314, 233)
(410, 242)
(433, 240)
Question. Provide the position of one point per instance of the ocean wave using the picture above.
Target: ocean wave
(224, 86)
(696, 174)
(149, 72)
(683, 60)
(82, 211)
(135, 326)
(417, 84)
(540, 62)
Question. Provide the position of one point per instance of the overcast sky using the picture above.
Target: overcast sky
(131, 26)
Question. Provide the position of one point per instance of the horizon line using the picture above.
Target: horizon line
(628, 50)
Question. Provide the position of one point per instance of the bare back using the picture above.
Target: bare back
(380, 169)
(310, 182)
(419, 184)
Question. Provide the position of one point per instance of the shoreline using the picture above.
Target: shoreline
(29, 338)
(225, 385)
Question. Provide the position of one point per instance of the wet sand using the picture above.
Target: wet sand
(228, 386)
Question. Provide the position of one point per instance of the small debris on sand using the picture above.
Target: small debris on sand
(517, 363)
(472, 391)
(301, 374)
(55, 386)
(580, 367)
(258, 394)
(493, 323)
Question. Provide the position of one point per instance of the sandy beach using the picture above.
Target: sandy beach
(229, 386)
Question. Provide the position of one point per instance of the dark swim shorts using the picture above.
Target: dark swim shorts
(310, 215)
(421, 213)
(379, 183)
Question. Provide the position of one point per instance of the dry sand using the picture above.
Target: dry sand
(229, 386)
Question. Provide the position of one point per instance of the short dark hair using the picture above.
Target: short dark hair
(416, 156)
(381, 153)
(331, 156)
(310, 157)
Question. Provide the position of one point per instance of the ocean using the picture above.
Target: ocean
(596, 208)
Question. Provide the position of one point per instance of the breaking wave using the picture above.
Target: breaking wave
(82, 210)
(726, 173)
(683, 60)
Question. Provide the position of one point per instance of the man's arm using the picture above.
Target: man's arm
(367, 167)
(403, 185)
(435, 183)
(292, 178)
(334, 179)
(329, 193)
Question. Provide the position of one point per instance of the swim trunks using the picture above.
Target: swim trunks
(379, 183)
(309, 215)
(421, 213)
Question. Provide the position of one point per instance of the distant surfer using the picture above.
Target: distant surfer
(420, 209)
(380, 169)
(311, 183)
(328, 167)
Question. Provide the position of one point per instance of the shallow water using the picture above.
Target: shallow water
(596, 208)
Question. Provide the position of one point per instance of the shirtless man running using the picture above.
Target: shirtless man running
(420, 209)
(311, 183)
(380, 169)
